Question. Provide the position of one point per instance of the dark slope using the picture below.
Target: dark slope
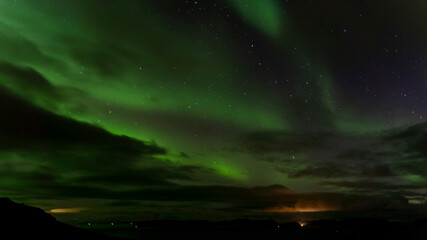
(18, 221)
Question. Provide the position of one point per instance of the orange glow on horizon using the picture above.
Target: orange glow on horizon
(307, 206)
(66, 210)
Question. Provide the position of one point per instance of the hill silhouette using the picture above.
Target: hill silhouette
(19, 221)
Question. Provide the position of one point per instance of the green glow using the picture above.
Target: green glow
(266, 15)
(327, 91)
(235, 98)
(187, 83)
(170, 87)
(358, 125)
(229, 171)
(412, 178)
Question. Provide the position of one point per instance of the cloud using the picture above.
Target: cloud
(33, 86)
(389, 154)
(410, 149)
(46, 155)
(322, 170)
(51, 157)
(270, 142)
(30, 127)
(340, 170)
(373, 185)
(160, 175)
(267, 199)
(27, 80)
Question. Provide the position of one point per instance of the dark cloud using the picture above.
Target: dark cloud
(14, 177)
(31, 85)
(147, 176)
(79, 160)
(28, 80)
(372, 185)
(323, 170)
(261, 199)
(408, 154)
(30, 127)
(376, 170)
(226, 194)
(412, 140)
(339, 170)
(386, 154)
(361, 155)
(281, 142)
(121, 203)
(268, 199)
(322, 154)
(58, 156)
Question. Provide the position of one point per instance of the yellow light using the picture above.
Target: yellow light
(66, 210)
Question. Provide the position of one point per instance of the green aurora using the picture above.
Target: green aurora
(189, 96)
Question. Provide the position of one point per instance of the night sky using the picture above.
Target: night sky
(213, 109)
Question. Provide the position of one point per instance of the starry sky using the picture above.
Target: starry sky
(221, 109)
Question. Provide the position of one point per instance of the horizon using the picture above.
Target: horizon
(220, 110)
(39, 224)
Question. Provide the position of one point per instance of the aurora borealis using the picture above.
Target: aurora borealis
(230, 108)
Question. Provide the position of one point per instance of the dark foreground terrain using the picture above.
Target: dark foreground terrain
(268, 229)
(19, 221)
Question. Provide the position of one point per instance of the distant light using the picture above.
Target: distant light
(67, 210)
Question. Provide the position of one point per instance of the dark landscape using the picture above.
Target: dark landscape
(19, 221)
